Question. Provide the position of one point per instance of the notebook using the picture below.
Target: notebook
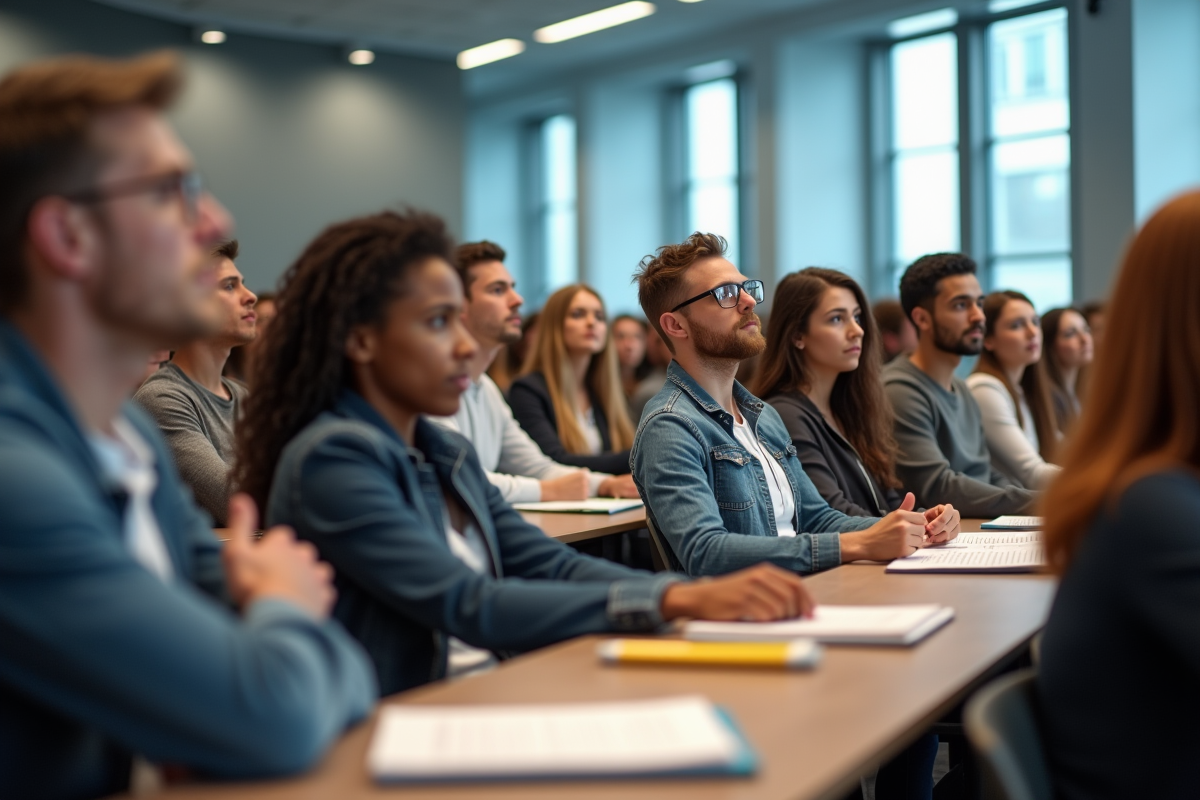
(967, 557)
(597, 505)
(1010, 523)
(685, 735)
(891, 625)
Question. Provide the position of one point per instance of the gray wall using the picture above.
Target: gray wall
(288, 136)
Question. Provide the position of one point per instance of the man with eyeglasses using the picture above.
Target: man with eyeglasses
(128, 637)
(714, 464)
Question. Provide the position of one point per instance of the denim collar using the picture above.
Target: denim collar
(748, 404)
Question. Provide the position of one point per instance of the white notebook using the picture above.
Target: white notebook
(965, 557)
(670, 736)
(901, 625)
(597, 505)
(1011, 523)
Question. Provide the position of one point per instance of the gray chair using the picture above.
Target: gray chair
(1002, 723)
(660, 551)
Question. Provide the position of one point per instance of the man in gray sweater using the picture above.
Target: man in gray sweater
(193, 405)
(943, 457)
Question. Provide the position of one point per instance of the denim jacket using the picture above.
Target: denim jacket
(708, 497)
(374, 508)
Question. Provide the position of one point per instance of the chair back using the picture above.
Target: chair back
(660, 551)
(1003, 725)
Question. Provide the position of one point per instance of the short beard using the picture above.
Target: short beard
(947, 343)
(731, 346)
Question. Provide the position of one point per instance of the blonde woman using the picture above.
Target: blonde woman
(570, 399)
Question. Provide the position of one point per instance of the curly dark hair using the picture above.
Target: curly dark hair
(919, 285)
(345, 278)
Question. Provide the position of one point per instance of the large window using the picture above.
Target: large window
(1029, 181)
(924, 158)
(556, 217)
(1011, 207)
(711, 182)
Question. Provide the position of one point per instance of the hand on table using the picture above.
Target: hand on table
(618, 486)
(942, 523)
(899, 534)
(572, 486)
(759, 594)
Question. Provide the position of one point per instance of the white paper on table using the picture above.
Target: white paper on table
(973, 558)
(994, 539)
(1010, 522)
(596, 505)
(430, 742)
(897, 624)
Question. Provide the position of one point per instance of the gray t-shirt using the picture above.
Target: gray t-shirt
(198, 426)
(943, 456)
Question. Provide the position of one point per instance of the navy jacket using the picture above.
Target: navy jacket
(373, 507)
(529, 397)
(99, 658)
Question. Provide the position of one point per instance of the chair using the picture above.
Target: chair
(660, 551)
(1002, 725)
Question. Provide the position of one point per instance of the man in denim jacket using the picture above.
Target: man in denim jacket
(713, 463)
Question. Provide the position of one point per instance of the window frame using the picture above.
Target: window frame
(537, 206)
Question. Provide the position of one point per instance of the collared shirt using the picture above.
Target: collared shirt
(127, 460)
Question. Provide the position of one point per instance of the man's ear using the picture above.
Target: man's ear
(361, 344)
(922, 320)
(672, 325)
(63, 238)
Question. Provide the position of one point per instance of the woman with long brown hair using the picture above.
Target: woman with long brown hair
(1069, 350)
(821, 372)
(570, 399)
(1119, 678)
(1010, 385)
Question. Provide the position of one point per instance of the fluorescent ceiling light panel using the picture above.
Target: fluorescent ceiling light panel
(920, 23)
(996, 6)
(710, 71)
(595, 21)
(360, 57)
(487, 53)
(697, 1)
(213, 37)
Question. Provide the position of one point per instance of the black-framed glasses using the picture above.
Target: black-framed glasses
(187, 185)
(727, 294)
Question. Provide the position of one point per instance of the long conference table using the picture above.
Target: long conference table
(816, 731)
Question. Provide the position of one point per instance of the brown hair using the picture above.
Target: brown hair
(471, 253)
(858, 400)
(549, 357)
(47, 110)
(660, 277)
(1141, 417)
(1034, 382)
(227, 249)
(1060, 393)
(346, 277)
(889, 316)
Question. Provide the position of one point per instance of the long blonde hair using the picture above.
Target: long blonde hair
(1141, 414)
(549, 357)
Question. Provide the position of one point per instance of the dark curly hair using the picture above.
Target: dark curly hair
(345, 278)
(919, 285)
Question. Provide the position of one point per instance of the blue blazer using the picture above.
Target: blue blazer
(373, 507)
(100, 659)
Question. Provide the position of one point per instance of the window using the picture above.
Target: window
(711, 202)
(1029, 158)
(557, 222)
(924, 149)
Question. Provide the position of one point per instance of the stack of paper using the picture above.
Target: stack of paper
(1013, 524)
(836, 625)
(597, 505)
(672, 736)
(978, 552)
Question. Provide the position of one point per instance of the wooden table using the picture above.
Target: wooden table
(580, 527)
(816, 731)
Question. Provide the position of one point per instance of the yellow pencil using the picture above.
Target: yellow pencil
(793, 654)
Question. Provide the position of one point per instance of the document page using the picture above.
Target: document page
(994, 539)
(1013, 523)
(1027, 557)
(414, 742)
(597, 505)
(839, 624)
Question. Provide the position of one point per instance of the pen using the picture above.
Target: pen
(793, 654)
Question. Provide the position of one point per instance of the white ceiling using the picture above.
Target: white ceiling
(441, 28)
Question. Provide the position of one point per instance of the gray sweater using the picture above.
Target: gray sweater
(198, 427)
(943, 456)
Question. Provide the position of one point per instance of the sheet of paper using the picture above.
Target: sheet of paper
(972, 558)
(1014, 522)
(596, 505)
(414, 742)
(994, 539)
(880, 624)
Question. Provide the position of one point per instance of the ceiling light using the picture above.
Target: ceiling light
(487, 53)
(996, 6)
(595, 21)
(689, 1)
(922, 23)
(212, 37)
(711, 71)
(360, 57)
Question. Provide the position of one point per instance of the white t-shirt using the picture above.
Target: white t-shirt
(591, 431)
(128, 461)
(469, 548)
(783, 502)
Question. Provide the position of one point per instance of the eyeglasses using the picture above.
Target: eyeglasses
(186, 185)
(727, 294)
